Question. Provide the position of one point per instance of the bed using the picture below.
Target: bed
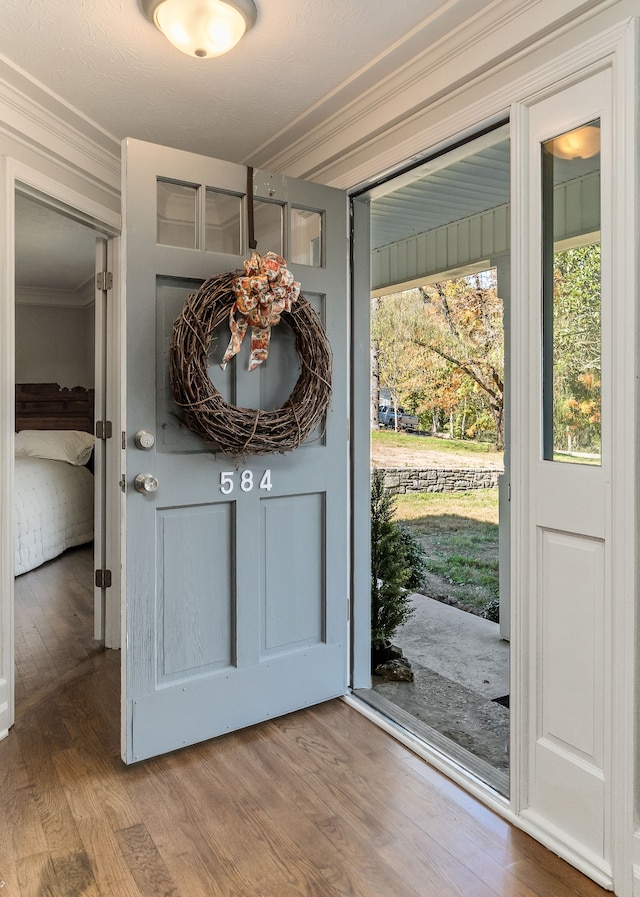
(53, 506)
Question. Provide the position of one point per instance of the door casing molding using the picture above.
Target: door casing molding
(17, 175)
(620, 649)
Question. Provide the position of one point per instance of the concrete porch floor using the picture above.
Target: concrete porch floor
(460, 666)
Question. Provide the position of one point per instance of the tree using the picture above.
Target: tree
(390, 567)
(577, 349)
(440, 352)
(391, 332)
(415, 378)
(374, 372)
(462, 323)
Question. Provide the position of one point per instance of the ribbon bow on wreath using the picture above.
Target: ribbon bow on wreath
(266, 290)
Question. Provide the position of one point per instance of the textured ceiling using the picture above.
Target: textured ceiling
(105, 59)
(302, 62)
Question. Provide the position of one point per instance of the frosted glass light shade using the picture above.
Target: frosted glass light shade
(581, 143)
(202, 28)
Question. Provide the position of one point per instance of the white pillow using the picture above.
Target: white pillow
(72, 446)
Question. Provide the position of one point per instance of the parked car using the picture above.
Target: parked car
(386, 418)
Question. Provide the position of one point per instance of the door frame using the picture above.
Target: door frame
(621, 492)
(615, 48)
(360, 444)
(15, 175)
(361, 456)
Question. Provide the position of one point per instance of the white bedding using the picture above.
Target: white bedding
(53, 510)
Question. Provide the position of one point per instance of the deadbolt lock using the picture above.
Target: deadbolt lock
(144, 440)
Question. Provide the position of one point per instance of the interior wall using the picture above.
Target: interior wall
(54, 345)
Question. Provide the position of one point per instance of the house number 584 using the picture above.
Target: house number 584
(227, 481)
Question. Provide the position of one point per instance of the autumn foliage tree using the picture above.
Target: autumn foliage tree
(440, 351)
(398, 368)
(461, 322)
(577, 349)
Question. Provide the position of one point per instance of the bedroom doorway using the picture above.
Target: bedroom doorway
(59, 376)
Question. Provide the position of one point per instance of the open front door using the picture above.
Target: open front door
(236, 582)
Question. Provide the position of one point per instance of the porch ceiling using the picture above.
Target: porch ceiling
(436, 194)
(470, 179)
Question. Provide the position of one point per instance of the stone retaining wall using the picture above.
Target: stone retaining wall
(408, 479)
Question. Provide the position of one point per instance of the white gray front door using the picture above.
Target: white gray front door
(236, 568)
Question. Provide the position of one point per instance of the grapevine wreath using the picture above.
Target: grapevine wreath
(259, 299)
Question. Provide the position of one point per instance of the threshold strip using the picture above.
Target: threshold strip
(494, 778)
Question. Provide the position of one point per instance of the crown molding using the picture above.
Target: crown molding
(317, 143)
(36, 118)
(44, 297)
(387, 153)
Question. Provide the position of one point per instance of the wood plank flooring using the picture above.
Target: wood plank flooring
(320, 803)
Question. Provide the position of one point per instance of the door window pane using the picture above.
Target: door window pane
(268, 226)
(176, 214)
(572, 296)
(222, 222)
(305, 246)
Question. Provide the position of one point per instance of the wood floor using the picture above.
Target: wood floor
(318, 804)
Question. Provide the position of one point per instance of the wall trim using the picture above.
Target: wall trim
(14, 173)
(377, 152)
(7, 402)
(624, 525)
(46, 298)
(36, 118)
(34, 183)
(500, 32)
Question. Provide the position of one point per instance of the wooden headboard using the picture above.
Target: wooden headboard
(48, 406)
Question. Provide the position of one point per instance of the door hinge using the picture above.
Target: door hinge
(103, 579)
(103, 429)
(104, 280)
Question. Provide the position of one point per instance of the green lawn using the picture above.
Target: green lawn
(577, 458)
(431, 443)
(459, 532)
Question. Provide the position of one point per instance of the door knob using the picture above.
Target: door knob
(146, 483)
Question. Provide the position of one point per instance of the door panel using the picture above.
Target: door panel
(191, 543)
(572, 586)
(285, 627)
(569, 467)
(237, 567)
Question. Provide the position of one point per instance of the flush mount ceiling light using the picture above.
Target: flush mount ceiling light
(583, 143)
(202, 28)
